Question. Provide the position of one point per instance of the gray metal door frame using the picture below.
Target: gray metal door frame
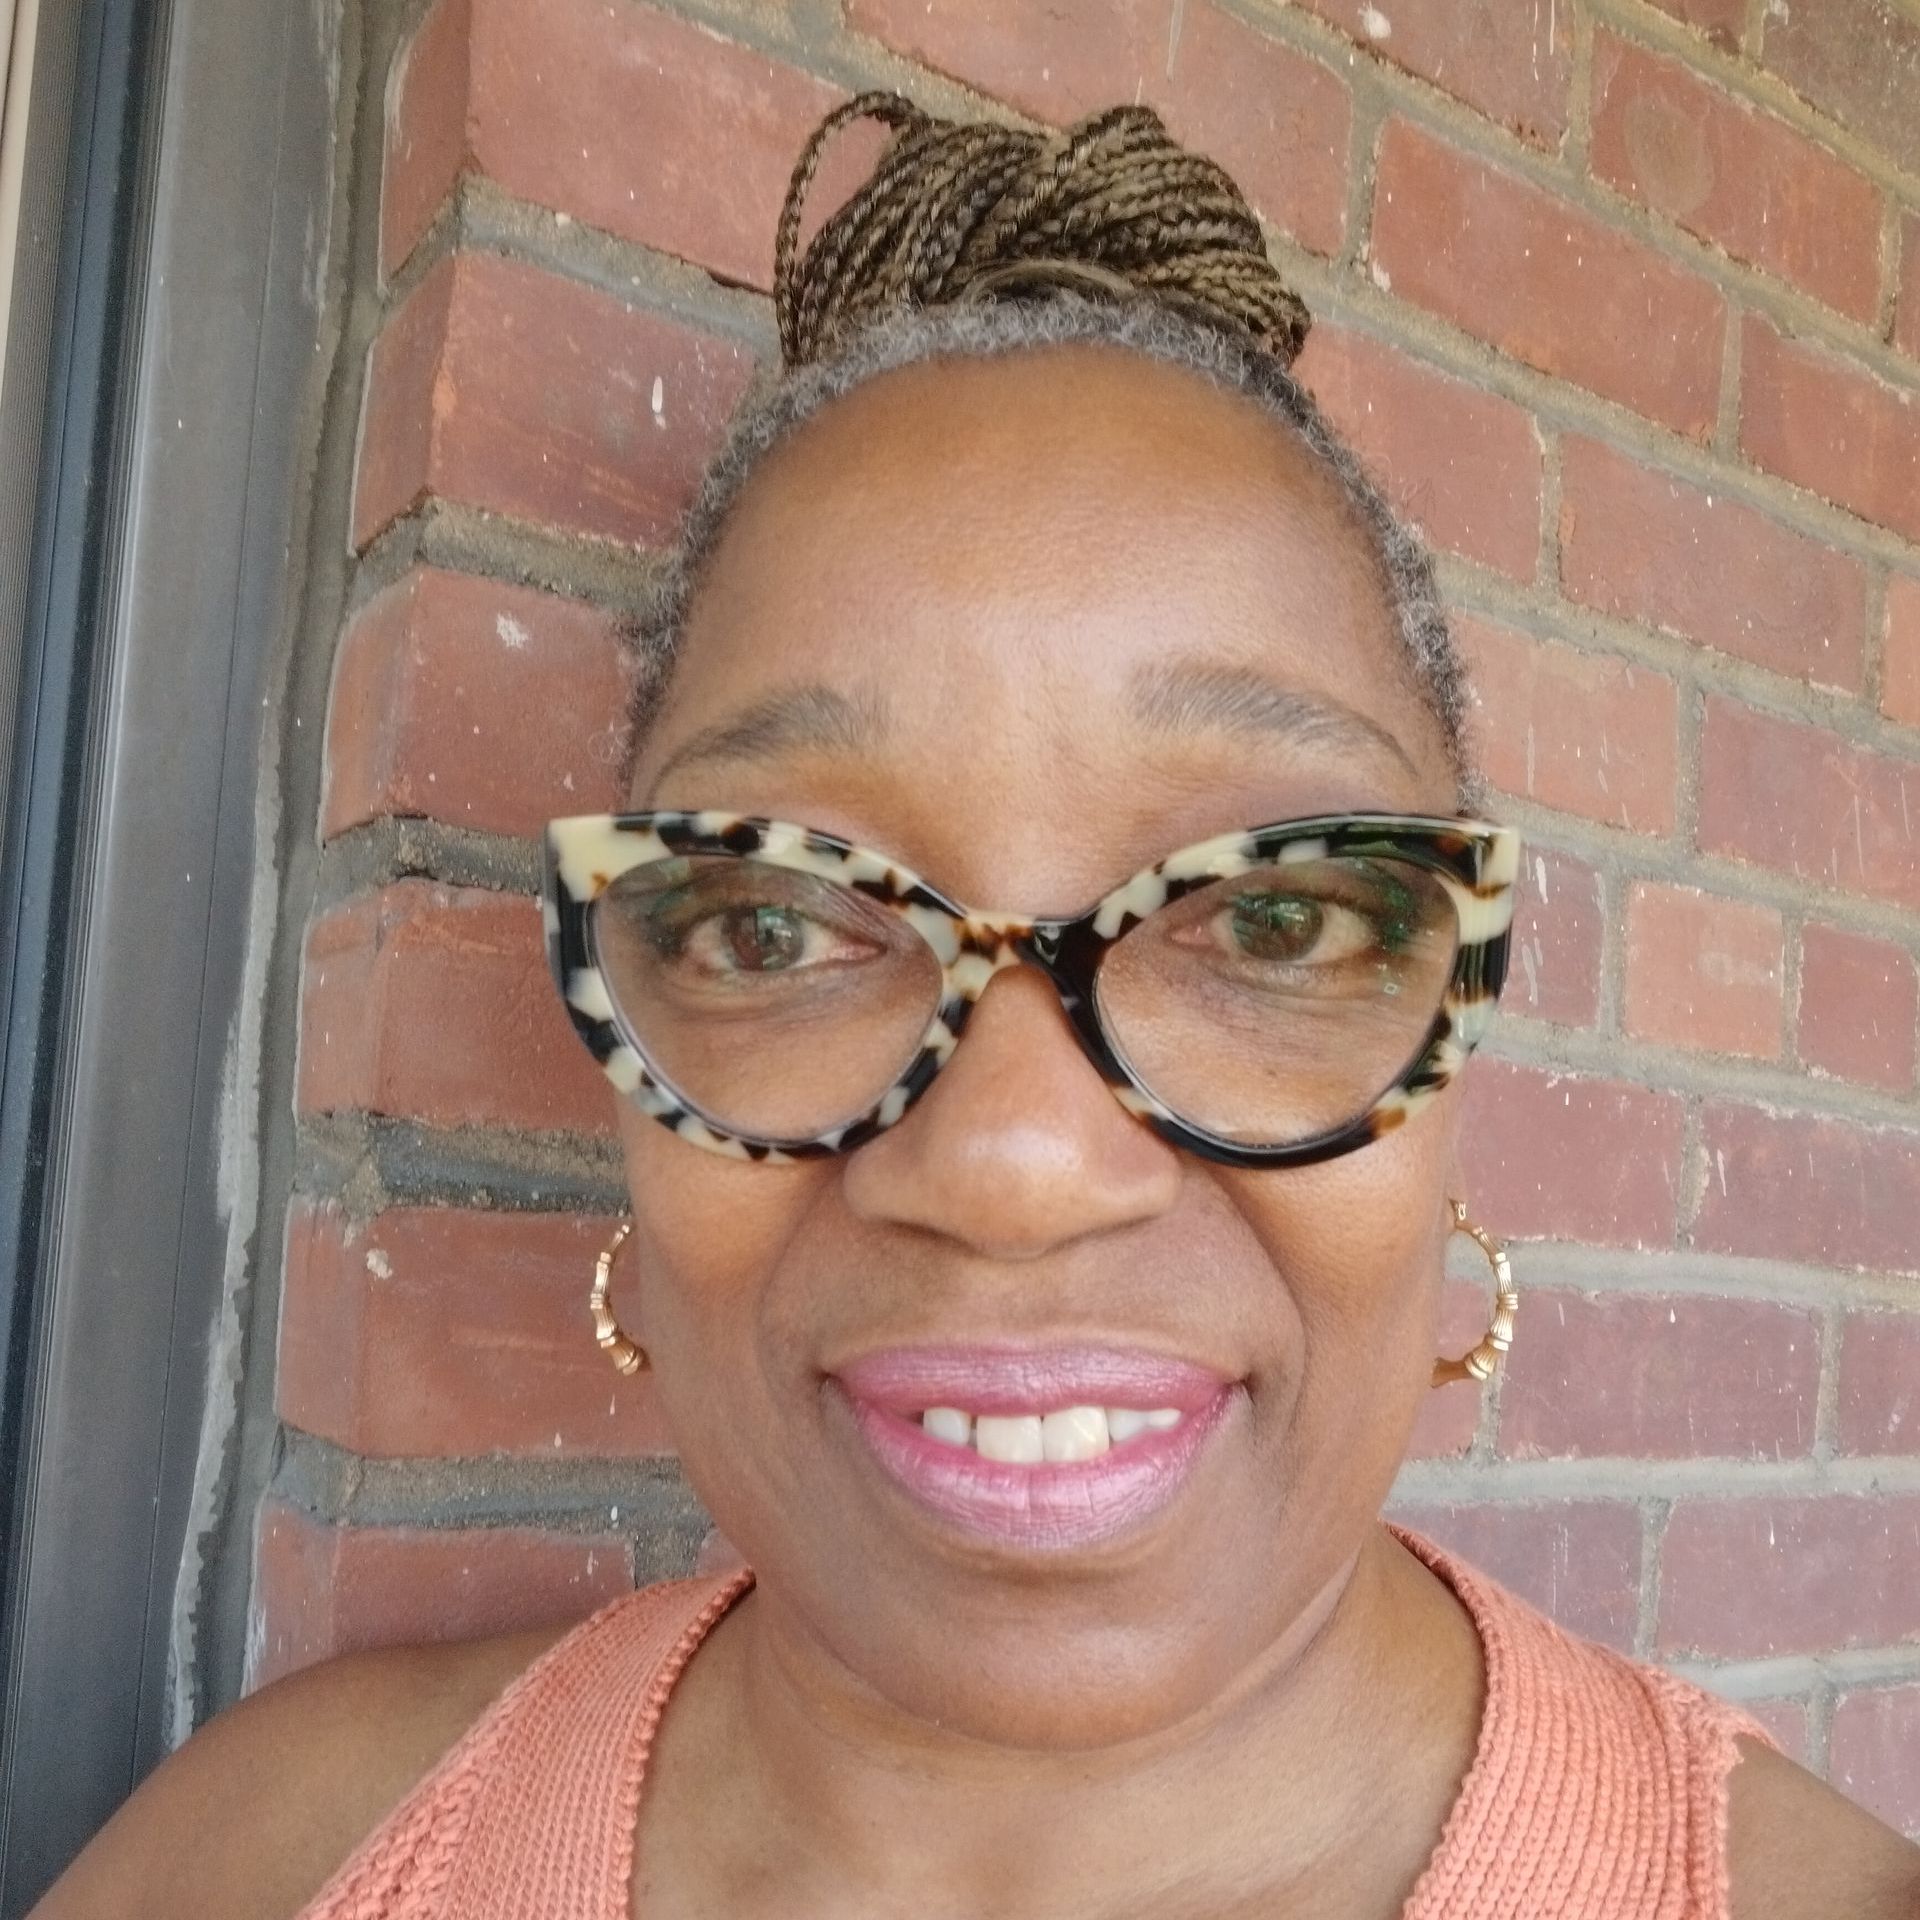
(180, 327)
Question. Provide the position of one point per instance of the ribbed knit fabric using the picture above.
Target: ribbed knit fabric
(1597, 1790)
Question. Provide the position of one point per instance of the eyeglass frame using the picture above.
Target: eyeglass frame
(1476, 862)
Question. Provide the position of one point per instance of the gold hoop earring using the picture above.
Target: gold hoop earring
(1480, 1363)
(611, 1338)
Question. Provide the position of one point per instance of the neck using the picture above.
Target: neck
(1275, 1795)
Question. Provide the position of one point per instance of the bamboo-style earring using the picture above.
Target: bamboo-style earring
(1480, 1363)
(611, 1338)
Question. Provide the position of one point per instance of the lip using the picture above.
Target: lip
(1050, 1507)
(1015, 1380)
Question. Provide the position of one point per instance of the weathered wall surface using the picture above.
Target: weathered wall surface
(1623, 301)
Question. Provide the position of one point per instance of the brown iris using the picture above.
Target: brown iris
(764, 939)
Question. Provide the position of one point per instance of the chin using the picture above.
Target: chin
(1024, 1635)
(1025, 1669)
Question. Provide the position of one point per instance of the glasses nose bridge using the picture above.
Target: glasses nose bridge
(992, 944)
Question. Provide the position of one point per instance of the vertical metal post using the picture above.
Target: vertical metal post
(182, 389)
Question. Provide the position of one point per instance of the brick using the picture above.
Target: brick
(399, 452)
(435, 1003)
(508, 389)
(1280, 123)
(320, 1590)
(717, 1555)
(1857, 1007)
(1734, 176)
(1856, 60)
(1804, 1187)
(439, 1332)
(1553, 1157)
(475, 702)
(1659, 1377)
(1554, 970)
(1798, 798)
(632, 121)
(1577, 1561)
(1789, 1574)
(1742, 1579)
(1873, 1753)
(1055, 63)
(1830, 426)
(426, 127)
(1879, 1398)
(1900, 651)
(1546, 283)
(1906, 319)
(1703, 971)
(1511, 63)
(1646, 547)
(1277, 121)
(1448, 1416)
(1722, 21)
(1579, 732)
(1463, 465)
(1785, 1717)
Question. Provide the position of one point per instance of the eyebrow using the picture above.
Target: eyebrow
(1175, 697)
(1191, 696)
(806, 719)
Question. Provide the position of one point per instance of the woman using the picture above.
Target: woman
(1055, 1425)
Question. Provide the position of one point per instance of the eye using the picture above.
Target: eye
(1294, 930)
(1314, 919)
(756, 938)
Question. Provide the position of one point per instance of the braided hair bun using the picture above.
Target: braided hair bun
(1112, 207)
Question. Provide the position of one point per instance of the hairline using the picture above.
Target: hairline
(780, 401)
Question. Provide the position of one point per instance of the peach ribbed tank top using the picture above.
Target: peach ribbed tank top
(1597, 1789)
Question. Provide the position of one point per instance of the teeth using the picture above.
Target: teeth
(949, 1424)
(1075, 1433)
(1028, 1439)
(1014, 1440)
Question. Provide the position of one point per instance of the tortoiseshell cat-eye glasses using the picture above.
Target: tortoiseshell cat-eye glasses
(1264, 998)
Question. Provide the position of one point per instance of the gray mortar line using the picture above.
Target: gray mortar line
(1576, 1054)
(1653, 1533)
(366, 1164)
(1612, 1477)
(401, 847)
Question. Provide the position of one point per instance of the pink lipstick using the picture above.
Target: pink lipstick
(1036, 1448)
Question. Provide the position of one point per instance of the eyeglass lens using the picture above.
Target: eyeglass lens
(1266, 1008)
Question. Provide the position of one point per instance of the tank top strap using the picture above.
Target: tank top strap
(1598, 1788)
(531, 1814)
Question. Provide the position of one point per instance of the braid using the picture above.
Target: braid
(955, 210)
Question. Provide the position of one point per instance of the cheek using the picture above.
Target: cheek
(706, 1227)
(1361, 1240)
(709, 1237)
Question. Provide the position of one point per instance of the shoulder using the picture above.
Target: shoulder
(1798, 1850)
(253, 1814)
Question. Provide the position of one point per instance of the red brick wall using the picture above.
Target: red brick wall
(1624, 302)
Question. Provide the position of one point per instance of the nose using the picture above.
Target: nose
(1019, 1146)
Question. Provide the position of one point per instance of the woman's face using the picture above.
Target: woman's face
(956, 583)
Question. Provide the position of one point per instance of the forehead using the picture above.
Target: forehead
(995, 555)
